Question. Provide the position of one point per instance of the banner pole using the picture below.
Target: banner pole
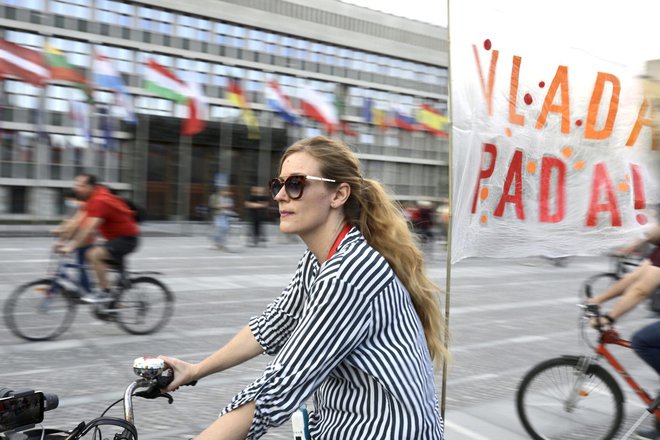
(450, 217)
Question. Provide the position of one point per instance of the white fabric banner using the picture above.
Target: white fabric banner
(552, 134)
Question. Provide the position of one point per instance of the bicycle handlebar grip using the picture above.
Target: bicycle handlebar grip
(166, 378)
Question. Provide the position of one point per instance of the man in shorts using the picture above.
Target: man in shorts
(111, 217)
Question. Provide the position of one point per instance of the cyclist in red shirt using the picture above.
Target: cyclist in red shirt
(112, 218)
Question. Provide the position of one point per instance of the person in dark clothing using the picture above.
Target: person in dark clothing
(257, 204)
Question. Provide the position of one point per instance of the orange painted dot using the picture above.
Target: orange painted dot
(507, 132)
(483, 194)
(484, 219)
(579, 165)
(623, 187)
(567, 152)
(531, 167)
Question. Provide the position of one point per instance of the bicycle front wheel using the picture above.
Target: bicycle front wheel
(39, 311)
(144, 307)
(555, 401)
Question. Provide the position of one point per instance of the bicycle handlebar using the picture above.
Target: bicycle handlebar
(153, 378)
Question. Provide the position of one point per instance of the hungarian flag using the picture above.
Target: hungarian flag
(162, 82)
(61, 69)
(431, 120)
(24, 63)
(316, 107)
(234, 94)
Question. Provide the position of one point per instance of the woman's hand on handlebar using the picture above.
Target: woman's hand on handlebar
(184, 372)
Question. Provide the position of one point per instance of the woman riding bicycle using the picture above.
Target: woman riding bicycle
(359, 325)
(634, 288)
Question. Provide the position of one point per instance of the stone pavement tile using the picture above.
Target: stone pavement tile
(494, 420)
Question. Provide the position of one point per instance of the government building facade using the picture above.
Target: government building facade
(367, 64)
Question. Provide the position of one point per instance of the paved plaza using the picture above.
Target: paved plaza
(506, 315)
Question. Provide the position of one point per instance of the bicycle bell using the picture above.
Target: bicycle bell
(148, 367)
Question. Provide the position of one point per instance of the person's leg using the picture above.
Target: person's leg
(96, 257)
(646, 343)
(223, 230)
(217, 231)
(112, 250)
(83, 276)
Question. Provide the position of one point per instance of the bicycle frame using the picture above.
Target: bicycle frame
(611, 337)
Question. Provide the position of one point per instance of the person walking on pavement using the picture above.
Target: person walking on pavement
(257, 204)
(221, 204)
(358, 326)
(112, 218)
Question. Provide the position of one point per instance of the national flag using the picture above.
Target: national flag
(373, 115)
(61, 69)
(403, 120)
(380, 118)
(197, 107)
(24, 63)
(106, 124)
(367, 105)
(162, 82)
(234, 94)
(431, 120)
(316, 107)
(279, 102)
(340, 105)
(79, 112)
(105, 75)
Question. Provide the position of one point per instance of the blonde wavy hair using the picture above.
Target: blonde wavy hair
(381, 221)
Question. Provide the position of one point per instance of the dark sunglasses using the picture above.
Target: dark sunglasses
(293, 185)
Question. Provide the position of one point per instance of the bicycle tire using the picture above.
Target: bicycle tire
(39, 311)
(541, 399)
(144, 295)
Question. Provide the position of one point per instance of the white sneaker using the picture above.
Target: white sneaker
(97, 297)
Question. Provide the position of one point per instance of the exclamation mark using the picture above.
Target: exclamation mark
(638, 191)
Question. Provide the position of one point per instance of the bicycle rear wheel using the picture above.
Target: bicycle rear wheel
(39, 311)
(144, 307)
(555, 401)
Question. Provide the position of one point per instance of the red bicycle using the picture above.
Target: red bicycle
(574, 397)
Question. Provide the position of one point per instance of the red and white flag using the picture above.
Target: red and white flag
(316, 107)
(197, 109)
(24, 63)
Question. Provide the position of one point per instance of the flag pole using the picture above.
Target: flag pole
(450, 218)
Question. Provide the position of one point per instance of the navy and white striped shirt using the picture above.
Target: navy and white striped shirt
(347, 333)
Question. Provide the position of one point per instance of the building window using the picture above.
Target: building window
(17, 200)
(72, 8)
(28, 4)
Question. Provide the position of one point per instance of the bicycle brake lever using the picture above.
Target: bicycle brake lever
(153, 392)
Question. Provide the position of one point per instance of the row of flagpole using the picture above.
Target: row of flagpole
(40, 68)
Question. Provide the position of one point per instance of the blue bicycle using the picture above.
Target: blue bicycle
(44, 309)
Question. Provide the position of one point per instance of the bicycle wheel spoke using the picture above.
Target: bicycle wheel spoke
(145, 307)
(38, 311)
(556, 401)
